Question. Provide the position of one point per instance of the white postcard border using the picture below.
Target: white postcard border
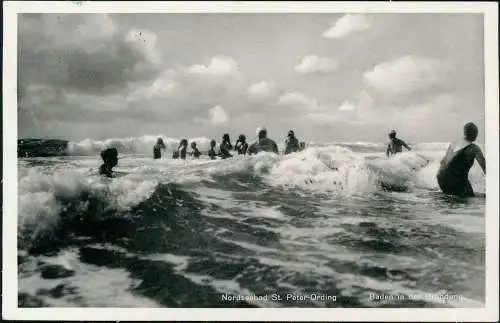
(9, 273)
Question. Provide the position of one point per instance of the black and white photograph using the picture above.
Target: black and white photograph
(250, 159)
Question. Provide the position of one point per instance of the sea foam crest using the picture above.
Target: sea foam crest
(42, 196)
(44, 191)
(131, 145)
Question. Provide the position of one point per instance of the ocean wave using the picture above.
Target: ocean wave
(46, 192)
(144, 145)
(131, 145)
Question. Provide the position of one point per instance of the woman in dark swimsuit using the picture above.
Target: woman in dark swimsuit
(195, 153)
(225, 147)
(453, 175)
(157, 148)
(241, 145)
(211, 152)
(181, 150)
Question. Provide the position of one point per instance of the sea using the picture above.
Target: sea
(335, 225)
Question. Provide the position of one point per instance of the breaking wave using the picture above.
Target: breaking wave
(144, 145)
(47, 192)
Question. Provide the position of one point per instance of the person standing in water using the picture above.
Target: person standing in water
(395, 145)
(195, 153)
(110, 158)
(453, 174)
(181, 150)
(225, 147)
(241, 145)
(211, 151)
(292, 143)
(263, 144)
(157, 148)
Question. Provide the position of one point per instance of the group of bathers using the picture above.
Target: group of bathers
(452, 176)
(241, 147)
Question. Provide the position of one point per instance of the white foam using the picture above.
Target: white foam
(327, 169)
(100, 287)
(131, 145)
(331, 169)
(41, 194)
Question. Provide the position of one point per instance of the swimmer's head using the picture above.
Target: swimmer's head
(225, 137)
(159, 141)
(392, 134)
(110, 157)
(184, 142)
(262, 133)
(470, 131)
(193, 145)
(213, 143)
(242, 138)
(291, 133)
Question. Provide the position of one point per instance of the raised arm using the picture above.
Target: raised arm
(405, 145)
(388, 150)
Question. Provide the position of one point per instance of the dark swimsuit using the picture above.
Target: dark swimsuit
(241, 147)
(157, 152)
(211, 154)
(224, 150)
(292, 145)
(196, 153)
(453, 179)
(183, 152)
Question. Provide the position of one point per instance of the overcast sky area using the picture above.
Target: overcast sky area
(330, 77)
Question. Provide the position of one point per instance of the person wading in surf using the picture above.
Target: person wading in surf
(225, 147)
(241, 145)
(110, 158)
(195, 153)
(157, 148)
(453, 175)
(263, 144)
(211, 152)
(395, 145)
(292, 143)
(181, 150)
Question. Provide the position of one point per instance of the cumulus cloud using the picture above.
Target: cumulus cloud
(295, 98)
(218, 115)
(260, 89)
(72, 52)
(145, 42)
(219, 65)
(300, 101)
(404, 76)
(162, 88)
(347, 106)
(80, 73)
(423, 118)
(347, 25)
(98, 26)
(315, 64)
(76, 68)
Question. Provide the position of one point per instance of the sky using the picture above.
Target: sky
(329, 77)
